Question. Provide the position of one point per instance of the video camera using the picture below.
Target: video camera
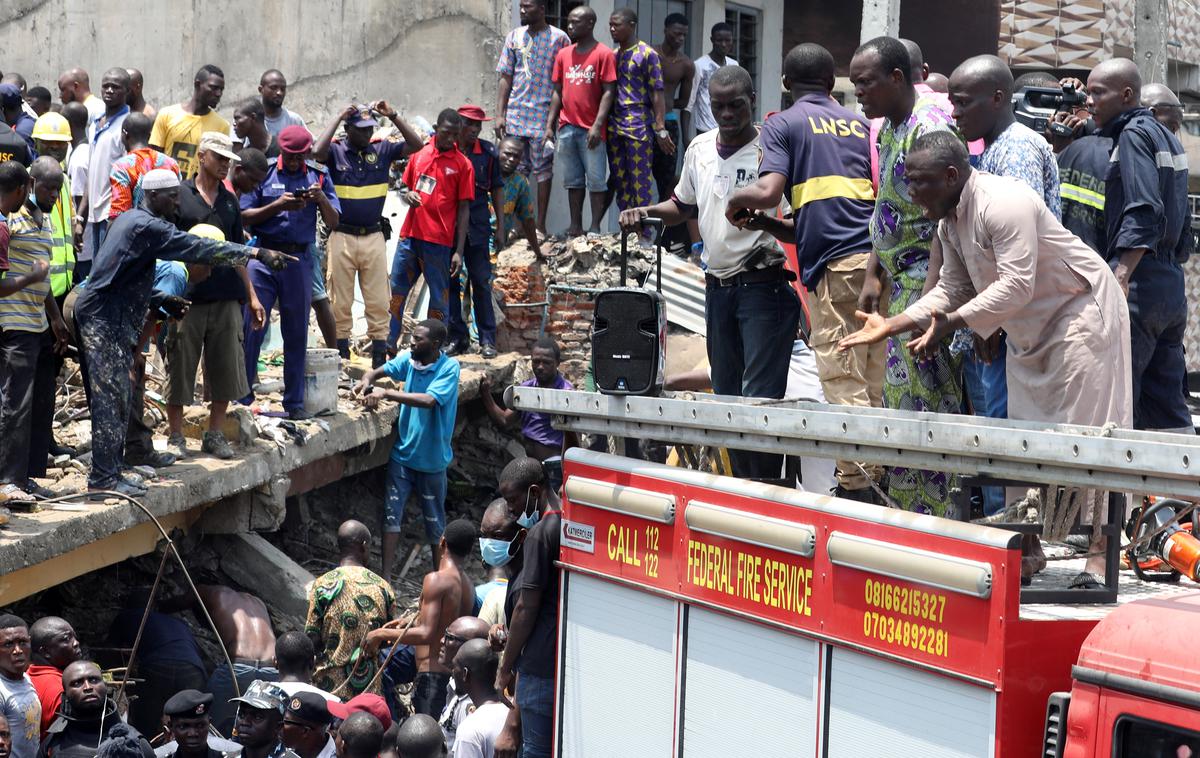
(1035, 106)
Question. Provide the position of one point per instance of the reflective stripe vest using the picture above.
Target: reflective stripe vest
(62, 253)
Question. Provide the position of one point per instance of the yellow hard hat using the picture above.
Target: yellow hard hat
(52, 127)
(207, 230)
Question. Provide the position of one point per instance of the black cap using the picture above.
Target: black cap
(188, 704)
(308, 707)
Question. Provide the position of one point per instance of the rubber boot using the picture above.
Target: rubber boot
(344, 349)
(378, 353)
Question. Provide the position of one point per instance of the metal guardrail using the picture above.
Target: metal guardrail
(1119, 460)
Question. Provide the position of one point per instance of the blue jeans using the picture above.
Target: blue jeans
(1157, 320)
(478, 261)
(401, 669)
(416, 258)
(431, 491)
(581, 166)
(535, 698)
(317, 253)
(751, 329)
(987, 388)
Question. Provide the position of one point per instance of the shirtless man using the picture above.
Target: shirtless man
(245, 628)
(678, 71)
(446, 594)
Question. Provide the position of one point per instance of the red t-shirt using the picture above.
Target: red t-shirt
(443, 179)
(583, 76)
(47, 682)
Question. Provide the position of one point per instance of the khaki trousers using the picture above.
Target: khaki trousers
(366, 256)
(854, 377)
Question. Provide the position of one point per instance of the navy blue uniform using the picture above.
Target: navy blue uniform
(477, 256)
(1146, 206)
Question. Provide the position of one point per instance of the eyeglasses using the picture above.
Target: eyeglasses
(448, 637)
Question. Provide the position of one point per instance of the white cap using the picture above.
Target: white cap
(159, 178)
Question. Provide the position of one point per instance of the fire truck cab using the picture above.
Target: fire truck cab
(1135, 692)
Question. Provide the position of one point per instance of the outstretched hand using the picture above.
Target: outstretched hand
(874, 329)
(927, 344)
(275, 260)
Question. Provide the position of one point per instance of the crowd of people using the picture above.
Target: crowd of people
(1038, 276)
(331, 688)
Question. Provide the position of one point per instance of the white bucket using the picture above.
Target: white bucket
(320, 380)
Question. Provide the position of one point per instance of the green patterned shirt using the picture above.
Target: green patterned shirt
(343, 605)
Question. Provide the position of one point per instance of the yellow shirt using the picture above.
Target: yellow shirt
(177, 134)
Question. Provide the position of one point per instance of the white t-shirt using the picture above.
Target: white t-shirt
(77, 169)
(291, 688)
(476, 736)
(457, 708)
(23, 710)
(700, 105)
(707, 182)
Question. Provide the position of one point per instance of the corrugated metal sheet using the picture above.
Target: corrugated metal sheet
(683, 287)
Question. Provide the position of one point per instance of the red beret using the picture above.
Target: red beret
(473, 112)
(295, 139)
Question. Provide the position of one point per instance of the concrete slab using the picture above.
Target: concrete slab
(41, 549)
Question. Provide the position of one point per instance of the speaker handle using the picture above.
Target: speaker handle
(658, 226)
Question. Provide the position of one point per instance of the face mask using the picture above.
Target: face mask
(495, 552)
(527, 519)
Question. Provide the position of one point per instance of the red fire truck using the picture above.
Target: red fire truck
(709, 616)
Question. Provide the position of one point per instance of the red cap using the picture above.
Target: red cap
(364, 703)
(473, 112)
(294, 139)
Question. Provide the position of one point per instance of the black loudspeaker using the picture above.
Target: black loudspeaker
(629, 332)
(629, 335)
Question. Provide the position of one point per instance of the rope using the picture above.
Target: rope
(178, 558)
(386, 661)
(137, 640)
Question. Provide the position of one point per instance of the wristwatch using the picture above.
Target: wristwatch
(662, 132)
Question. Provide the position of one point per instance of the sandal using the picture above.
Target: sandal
(11, 493)
(1085, 580)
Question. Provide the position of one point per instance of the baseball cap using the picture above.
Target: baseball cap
(294, 139)
(308, 707)
(10, 95)
(473, 112)
(362, 118)
(262, 695)
(219, 143)
(364, 703)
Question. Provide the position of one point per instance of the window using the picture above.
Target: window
(652, 13)
(557, 10)
(746, 23)
(1140, 738)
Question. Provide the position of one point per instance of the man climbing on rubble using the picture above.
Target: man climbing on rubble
(751, 310)
(538, 435)
(244, 626)
(1009, 263)
(344, 604)
(446, 594)
(423, 452)
(112, 308)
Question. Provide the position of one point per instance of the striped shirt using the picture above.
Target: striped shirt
(360, 179)
(28, 242)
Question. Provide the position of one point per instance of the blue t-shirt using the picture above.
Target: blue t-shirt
(360, 179)
(289, 227)
(423, 439)
(823, 151)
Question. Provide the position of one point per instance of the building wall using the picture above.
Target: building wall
(420, 55)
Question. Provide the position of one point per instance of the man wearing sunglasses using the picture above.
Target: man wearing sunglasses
(306, 726)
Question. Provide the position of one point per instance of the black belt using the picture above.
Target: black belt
(757, 276)
(258, 663)
(283, 247)
(359, 231)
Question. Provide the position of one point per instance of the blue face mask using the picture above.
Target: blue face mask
(495, 552)
(527, 519)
